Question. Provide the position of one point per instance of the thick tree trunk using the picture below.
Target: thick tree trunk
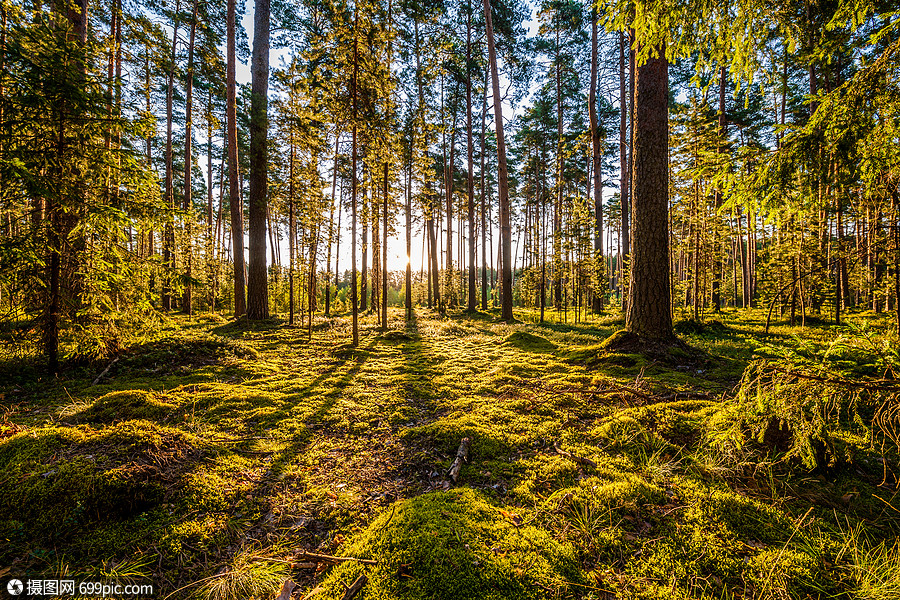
(649, 312)
(257, 284)
(506, 303)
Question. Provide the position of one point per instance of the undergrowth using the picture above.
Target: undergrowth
(212, 455)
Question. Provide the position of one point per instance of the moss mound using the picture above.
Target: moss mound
(452, 545)
(65, 481)
(529, 342)
(397, 335)
(179, 354)
(126, 405)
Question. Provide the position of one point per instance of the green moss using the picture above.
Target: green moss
(204, 462)
(445, 435)
(529, 342)
(126, 405)
(451, 545)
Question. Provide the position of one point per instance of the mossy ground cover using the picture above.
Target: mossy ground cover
(210, 459)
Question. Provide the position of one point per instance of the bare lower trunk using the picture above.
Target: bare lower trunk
(257, 283)
(649, 308)
(506, 304)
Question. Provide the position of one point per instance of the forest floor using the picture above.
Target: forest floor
(211, 460)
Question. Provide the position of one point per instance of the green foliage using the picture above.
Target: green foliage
(810, 401)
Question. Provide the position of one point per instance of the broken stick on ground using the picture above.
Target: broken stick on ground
(579, 459)
(462, 455)
(355, 587)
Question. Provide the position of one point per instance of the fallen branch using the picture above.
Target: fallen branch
(579, 459)
(462, 455)
(105, 371)
(286, 590)
(355, 587)
(317, 558)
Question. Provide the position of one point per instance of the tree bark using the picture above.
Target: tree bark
(649, 314)
(257, 284)
(506, 304)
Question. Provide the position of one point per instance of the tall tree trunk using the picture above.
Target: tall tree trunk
(234, 191)
(470, 296)
(449, 294)
(408, 281)
(484, 247)
(597, 167)
(624, 179)
(311, 290)
(716, 243)
(209, 202)
(187, 304)
(169, 238)
(363, 285)
(649, 313)
(420, 109)
(384, 237)
(353, 185)
(627, 206)
(292, 225)
(506, 304)
(337, 139)
(257, 284)
(558, 201)
(384, 253)
(435, 272)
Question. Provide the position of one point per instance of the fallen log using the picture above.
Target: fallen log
(462, 455)
(355, 587)
(579, 459)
